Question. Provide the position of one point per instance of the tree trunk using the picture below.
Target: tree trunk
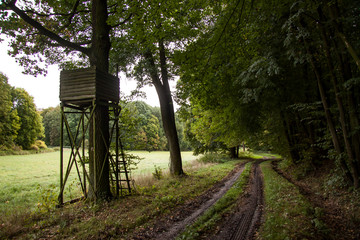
(168, 118)
(346, 74)
(339, 101)
(335, 14)
(166, 107)
(233, 152)
(287, 132)
(98, 155)
(99, 127)
(328, 117)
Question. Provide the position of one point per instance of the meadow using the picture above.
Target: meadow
(27, 180)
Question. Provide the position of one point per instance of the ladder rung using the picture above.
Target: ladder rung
(121, 171)
(121, 180)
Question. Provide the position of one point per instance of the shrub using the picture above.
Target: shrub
(213, 158)
(34, 147)
(40, 144)
(157, 174)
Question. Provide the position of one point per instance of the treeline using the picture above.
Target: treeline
(278, 75)
(20, 122)
(140, 127)
(22, 127)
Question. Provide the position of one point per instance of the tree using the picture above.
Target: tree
(209, 89)
(51, 119)
(148, 130)
(9, 119)
(280, 75)
(31, 127)
(334, 67)
(152, 34)
(57, 30)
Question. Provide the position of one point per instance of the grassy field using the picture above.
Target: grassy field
(27, 179)
(159, 159)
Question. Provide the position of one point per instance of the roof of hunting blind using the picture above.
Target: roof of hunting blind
(82, 86)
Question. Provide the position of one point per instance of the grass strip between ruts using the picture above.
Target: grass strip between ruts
(214, 214)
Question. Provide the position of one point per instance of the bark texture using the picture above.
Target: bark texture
(99, 130)
(166, 106)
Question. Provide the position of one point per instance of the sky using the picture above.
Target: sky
(45, 89)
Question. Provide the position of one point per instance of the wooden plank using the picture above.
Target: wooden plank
(88, 84)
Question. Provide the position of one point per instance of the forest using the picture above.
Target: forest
(276, 77)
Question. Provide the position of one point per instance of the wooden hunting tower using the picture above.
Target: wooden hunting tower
(82, 86)
(81, 91)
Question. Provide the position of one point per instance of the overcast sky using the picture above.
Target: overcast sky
(45, 90)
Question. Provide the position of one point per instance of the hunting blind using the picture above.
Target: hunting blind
(81, 92)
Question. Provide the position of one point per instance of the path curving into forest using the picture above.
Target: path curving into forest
(241, 223)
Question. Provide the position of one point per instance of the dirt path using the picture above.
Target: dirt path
(245, 219)
(241, 224)
(175, 229)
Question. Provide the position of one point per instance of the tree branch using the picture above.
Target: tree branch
(123, 22)
(226, 24)
(72, 14)
(53, 14)
(63, 42)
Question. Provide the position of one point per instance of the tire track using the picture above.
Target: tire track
(181, 225)
(243, 223)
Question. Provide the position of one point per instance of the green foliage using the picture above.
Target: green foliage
(9, 119)
(249, 78)
(213, 158)
(52, 121)
(31, 127)
(141, 128)
(20, 123)
(48, 198)
(36, 50)
(157, 174)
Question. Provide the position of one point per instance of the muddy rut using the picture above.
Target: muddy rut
(241, 223)
(245, 219)
(181, 225)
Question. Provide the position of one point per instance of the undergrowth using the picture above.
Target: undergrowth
(327, 181)
(214, 158)
(295, 211)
